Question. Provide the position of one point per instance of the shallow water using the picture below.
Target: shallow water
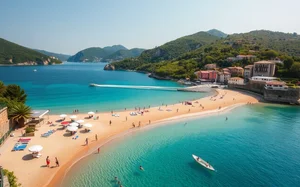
(63, 88)
(257, 146)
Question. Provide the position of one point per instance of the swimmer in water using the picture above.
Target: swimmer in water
(116, 178)
(141, 168)
(226, 118)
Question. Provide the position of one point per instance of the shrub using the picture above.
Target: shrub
(29, 129)
(12, 179)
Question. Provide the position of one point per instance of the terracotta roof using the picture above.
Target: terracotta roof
(276, 83)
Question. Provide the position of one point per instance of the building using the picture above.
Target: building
(210, 66)
(261, 79)
(210, 75)
(236, 80)
(4, 123)
(236, 71)
(276, 85)
(248, 71)
(264, 68)
(223, 77)
(248, 57)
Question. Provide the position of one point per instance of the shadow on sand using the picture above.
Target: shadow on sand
(27, 157)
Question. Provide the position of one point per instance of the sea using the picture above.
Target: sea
(64, 88)
(259, 145)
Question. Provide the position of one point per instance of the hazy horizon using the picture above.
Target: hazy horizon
(72, 25)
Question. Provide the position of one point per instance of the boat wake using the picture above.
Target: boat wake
(135, 87)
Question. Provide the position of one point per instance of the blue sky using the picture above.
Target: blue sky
(67, 26)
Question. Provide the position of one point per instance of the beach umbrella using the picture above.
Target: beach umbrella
(80, 121)
(74, 124)
(63, 115)
(73, 117)
(72, 128)
(87, 125)
(35, 148)
(91, 113)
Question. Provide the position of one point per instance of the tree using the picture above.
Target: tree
(295, 68)
(2, 88)
(16, 93)
(19, 112)
(288, 62)
(270, 54)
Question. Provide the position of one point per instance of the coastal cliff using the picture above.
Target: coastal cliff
(14, 54)
(109, 67)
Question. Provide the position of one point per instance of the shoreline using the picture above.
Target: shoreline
(166, 121)
(70, 151)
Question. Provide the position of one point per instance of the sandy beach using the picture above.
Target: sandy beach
(33, 171)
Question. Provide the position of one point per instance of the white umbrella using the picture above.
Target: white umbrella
(91, 113)
(73, 117)
(74, 124)
(35, 148)
(63, 115)
(72, 128)
(87, 125)
(80, 121)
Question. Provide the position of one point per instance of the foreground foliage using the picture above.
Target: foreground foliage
(12, 179)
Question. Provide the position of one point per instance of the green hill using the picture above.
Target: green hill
(61, 57)
(265, 45)
(177, 47)
(217, 33)
(11, 53)
(122, 54)
(95, 54)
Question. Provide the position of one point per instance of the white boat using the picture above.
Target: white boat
(93, 85)
(203, 163)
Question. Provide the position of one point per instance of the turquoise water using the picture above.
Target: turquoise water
(257, 146)
(63, 88)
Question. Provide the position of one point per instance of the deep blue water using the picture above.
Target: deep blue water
(257, 146)
(63, 88)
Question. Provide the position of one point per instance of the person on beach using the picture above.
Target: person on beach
(98, 150)
(149, 121)
(141, 168)
(125, 108)
(126, 118)
(86, 141)
(189, 110)
(177, 109)
(48, 161)
(139, 123)
(110, 122)
(96, 137)
(56, 161)
(133, 125)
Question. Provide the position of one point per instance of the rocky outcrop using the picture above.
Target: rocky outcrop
(109, 67)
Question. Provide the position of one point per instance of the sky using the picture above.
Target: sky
(68, 26)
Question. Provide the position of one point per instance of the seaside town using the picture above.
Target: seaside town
(257, 77)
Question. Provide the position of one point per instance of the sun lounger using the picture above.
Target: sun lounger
(19, 147)
(23, 139)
